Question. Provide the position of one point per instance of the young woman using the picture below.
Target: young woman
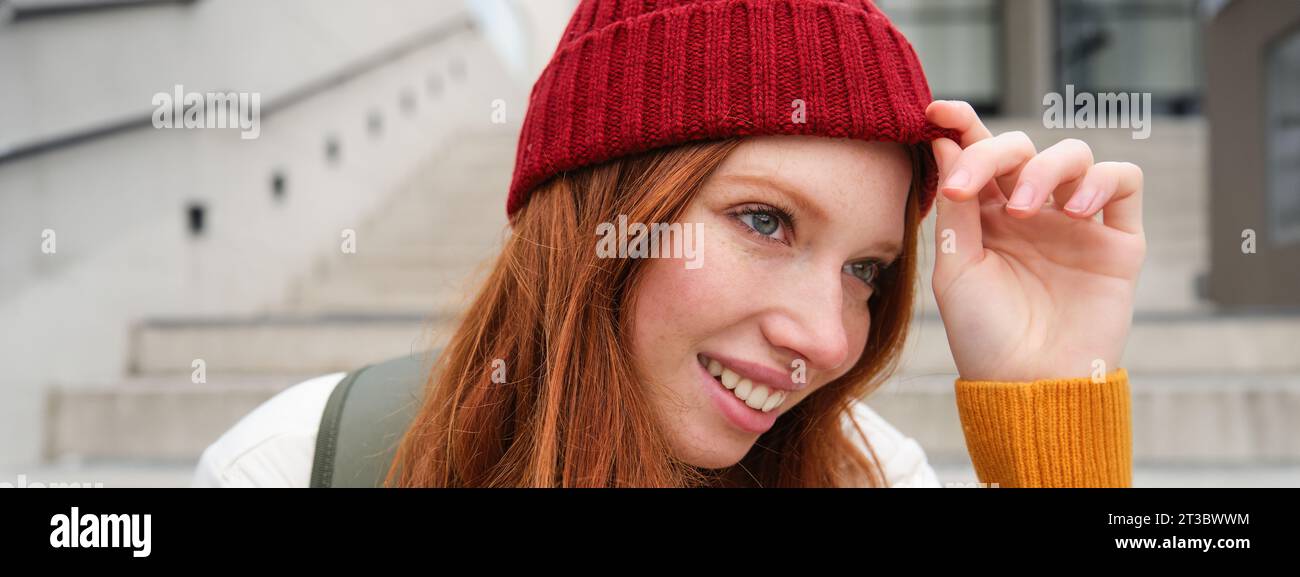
(795, 145)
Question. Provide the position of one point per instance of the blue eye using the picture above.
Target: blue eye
(770, 223)
(866, 271)
(764, 223)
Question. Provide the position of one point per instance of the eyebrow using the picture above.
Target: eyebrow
(889, 248)
(780, 185)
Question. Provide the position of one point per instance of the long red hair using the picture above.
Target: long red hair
(572, 411)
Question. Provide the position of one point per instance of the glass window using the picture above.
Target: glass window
(1132, 46)
(1283, 121)
(959, 43)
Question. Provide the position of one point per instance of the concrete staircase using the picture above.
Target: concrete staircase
(1210, 390)
(400, 291)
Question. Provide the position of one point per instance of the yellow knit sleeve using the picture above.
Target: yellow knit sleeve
(1049, 433)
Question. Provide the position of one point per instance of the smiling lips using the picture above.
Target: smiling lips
(757, 397)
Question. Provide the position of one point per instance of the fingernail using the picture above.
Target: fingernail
(1021, 197)
(1079, 202)
(958, 179)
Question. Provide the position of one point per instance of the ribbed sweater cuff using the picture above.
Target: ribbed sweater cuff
(1049, 433)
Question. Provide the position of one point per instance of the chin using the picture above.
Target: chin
(719, 456)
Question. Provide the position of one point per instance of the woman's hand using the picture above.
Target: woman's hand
(1030, 286)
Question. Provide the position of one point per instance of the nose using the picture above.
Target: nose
(808, 319)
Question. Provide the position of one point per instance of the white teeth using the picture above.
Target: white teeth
(776, 399)
(744, 389)
(729, 379)
(757, 397)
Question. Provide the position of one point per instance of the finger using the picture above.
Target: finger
(1054, 168)
(957, 231)
(1062, 195)
(960, 116)
(981, 162)
(1115, 189)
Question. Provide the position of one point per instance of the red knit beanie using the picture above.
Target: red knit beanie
(634, 75)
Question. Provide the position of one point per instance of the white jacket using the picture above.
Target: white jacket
(273, 445)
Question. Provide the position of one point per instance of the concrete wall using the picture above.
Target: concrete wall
(1238, 43)
(117, 204)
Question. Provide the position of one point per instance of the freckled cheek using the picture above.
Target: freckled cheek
(693, 297)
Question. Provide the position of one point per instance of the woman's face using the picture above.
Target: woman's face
(795, 232)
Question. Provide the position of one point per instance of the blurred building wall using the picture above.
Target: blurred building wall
(78, 158)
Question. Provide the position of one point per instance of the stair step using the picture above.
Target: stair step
(1201, 418)
(439, 301)
(153, 421)
(1177, 419)
(1176, 343)
(383, 278)
(1163, 287)
(284, 344)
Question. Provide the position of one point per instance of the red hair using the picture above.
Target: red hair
(573, 411)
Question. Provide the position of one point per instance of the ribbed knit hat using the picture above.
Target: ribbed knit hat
(634, 75)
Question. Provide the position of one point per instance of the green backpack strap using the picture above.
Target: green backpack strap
(364, 420)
